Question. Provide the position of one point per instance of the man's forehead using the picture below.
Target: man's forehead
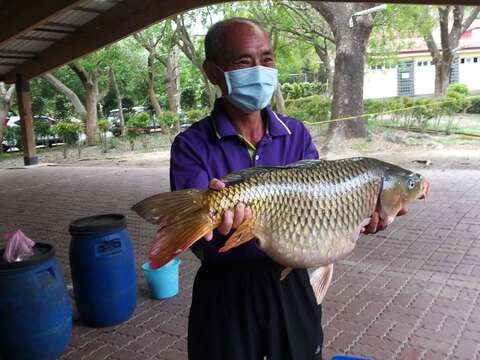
(243, 34)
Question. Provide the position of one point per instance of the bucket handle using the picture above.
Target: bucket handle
(46, 277)
(108, 247)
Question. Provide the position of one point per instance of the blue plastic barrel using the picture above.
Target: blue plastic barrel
(103, 269)
(163, 282)
(35, 311)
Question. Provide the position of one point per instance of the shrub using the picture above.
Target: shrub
(169, 119)
(462, 89)
(68, 131)
(312, 108)
(293, 91)
(475, 105)
(103, 126)
(138, 121)
(196, 114)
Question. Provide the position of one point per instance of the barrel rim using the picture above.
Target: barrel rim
(48, 253)
(95, 225)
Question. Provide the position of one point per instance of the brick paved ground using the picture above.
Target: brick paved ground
(410, 292)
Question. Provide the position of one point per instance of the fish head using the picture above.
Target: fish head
(400, 187)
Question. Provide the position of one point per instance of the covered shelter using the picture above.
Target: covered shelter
(38, 38)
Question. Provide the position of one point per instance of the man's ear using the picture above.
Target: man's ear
(214, 75)
(211, 74)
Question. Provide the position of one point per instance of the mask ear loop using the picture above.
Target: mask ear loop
(225, 78)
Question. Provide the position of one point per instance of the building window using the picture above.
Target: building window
(419, 63)
(462, 61)
(475, 59)
(425, 63)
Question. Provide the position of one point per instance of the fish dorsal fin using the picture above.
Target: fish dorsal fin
(252, 171)
(243, 174)
(320, 280)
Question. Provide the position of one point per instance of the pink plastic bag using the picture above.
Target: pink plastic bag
(18, 246)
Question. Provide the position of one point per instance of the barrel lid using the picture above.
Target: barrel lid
(98, 224)
(41, 253)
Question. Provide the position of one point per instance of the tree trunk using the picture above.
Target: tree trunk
(449, 41)
(324, 57)
(442, 77)
(150, 86)
(90, 120)
(118, 96)
(172, 81)
(351, 45)
(6, 98)
(279, 101)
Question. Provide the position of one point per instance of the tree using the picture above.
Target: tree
(450, 34)
(193, 53)
(350, 54)
(299, 21)
(6, 99)
(90, 71)
(158, 41)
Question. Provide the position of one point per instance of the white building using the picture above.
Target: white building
(414, 74)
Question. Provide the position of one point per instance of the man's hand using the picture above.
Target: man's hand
(231, 219)
(376, 224)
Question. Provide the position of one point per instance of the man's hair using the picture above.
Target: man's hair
(214, 40)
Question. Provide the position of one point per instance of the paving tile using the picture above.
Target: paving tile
(404, 293)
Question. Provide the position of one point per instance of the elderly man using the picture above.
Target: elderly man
(240, 308)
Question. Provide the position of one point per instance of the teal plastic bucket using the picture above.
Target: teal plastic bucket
(163, 282)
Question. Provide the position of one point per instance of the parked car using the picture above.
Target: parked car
(42, 123)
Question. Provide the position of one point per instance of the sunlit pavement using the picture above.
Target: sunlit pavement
(410, 292)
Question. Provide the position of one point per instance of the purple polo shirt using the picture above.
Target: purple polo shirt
(212, 148)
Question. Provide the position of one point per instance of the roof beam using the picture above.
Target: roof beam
(20, 16)
(120, 21)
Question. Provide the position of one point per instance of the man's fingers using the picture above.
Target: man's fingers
(372, 226)
(227, 223)
(402, 211)
(216, 184)
(209, 236)
(239, 215)
(248, 213)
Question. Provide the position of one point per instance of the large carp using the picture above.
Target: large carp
(307, 214)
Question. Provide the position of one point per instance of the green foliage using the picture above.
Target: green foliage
(169, 119)
(196, 114)
(312, 108)
(293, 91)
(103, 125)
(475, 106)
(459, 88)
(188, 98)
(138, 121)
(13, 136)
(68, 131)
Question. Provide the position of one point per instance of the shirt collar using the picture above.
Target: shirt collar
(223, 127)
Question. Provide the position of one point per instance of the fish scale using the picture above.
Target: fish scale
(307, 214)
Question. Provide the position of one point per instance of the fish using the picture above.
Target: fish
(308, 214)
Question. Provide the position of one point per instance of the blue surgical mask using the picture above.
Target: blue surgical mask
(251, 89)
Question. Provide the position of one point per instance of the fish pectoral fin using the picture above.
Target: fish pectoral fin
(320, 280)
(243, 234)
(285, 273)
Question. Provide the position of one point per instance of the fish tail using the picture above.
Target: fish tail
(183, 217)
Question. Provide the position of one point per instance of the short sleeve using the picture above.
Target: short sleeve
(310, 150)
(187, 168)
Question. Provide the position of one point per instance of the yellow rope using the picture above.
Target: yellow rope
(381, 113)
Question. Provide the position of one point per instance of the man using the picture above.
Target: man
(240, 308)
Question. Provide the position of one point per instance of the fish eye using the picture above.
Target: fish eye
(411, 184)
